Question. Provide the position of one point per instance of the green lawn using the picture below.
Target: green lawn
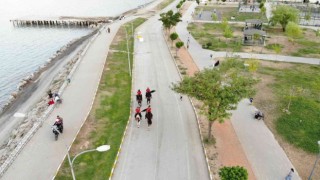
(306, 46)
(301, 126)
(228, 12)
(212, 33)
(109, 115)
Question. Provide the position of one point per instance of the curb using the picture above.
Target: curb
(194, 109)
(40, 121)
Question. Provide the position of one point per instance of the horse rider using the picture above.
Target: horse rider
(138, 112)
(148, 95)
(148, 110)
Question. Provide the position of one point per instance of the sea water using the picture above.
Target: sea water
(24, 49)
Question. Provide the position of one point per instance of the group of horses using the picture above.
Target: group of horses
(148, 114)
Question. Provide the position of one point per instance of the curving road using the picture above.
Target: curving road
(171, 149)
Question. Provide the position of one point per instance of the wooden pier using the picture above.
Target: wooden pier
(61, 21)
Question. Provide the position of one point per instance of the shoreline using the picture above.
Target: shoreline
(74, 49)
(26, 82)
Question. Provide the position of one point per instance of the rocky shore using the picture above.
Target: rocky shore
(27, 83)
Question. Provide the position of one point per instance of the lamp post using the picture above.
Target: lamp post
(102, 148)
(128, 51)
(315, 164)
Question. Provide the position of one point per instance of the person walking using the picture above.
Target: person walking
(289, 176)
(108, 29)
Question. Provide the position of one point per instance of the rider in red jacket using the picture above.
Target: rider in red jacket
(149, 109)
(148, 90)
(139, 92)
(138, 112)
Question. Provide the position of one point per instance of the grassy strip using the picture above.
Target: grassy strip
(108, 117)
(164, 4)
(301, 126)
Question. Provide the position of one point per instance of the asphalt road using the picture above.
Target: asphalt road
(171, 149)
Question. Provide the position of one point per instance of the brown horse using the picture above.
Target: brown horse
(149, 116)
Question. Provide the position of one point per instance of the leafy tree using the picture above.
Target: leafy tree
(198, 2)
(223, 0)
(170, 19)
(173, 36)
(283, 15)
(220, 89)
(179, 45)
(178, 6)
(261, 5)
(293, 30)
(234, 173)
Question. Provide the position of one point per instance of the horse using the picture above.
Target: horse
(139, 99)
(149, 116)
(138, 118)
(148, 96)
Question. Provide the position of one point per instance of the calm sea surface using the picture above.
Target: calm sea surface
(24, 49)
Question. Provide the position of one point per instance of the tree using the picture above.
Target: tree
(293, 30)
(220, 89)
(179, 45)
(198, 2)
(170, 19)
(234, 173)
(178, 6)
(173, 36)
(283, 15)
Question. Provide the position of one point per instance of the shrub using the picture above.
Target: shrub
(234, 173)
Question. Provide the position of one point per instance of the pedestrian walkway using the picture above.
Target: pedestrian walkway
(265, 155)
(42, 156)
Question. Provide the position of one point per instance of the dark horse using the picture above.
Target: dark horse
(149, 116)
(139, 99)
(148, 96)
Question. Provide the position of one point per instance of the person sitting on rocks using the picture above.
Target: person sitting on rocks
(51, 102)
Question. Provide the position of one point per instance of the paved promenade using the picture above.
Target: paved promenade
(265, 155)
(42, 156)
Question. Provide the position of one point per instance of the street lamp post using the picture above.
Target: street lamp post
(128, 51)
(315, 164)
(102, 148)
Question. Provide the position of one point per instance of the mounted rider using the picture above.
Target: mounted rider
(148, 95)
(139, 95)
(138, 112)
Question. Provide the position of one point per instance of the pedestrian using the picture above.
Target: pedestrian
(188, 39)
(289, 176)
(180, 97)
(211, 56)
(108, 30)
(251, 100)
(68, 80)
(50, 94)
(187, 45)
